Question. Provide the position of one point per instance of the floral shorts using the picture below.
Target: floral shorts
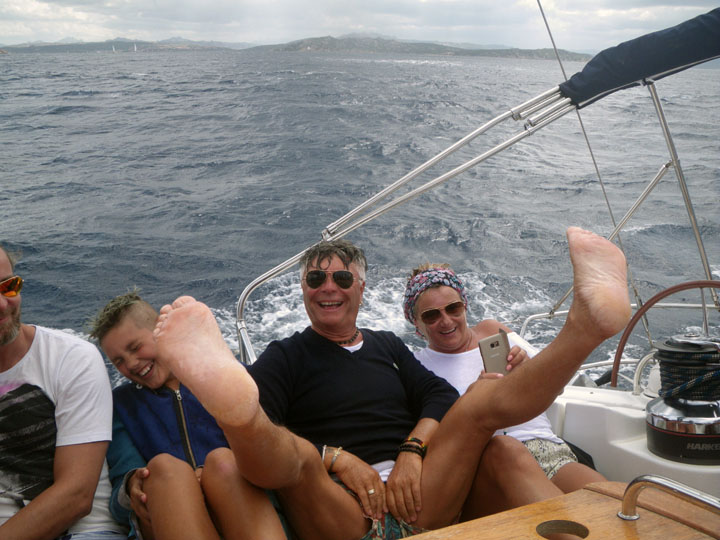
(550, 455)
(387, 528)
(390, 528)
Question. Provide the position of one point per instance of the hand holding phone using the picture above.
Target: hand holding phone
(494, 351)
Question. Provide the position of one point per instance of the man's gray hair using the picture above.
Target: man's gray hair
(344, 250)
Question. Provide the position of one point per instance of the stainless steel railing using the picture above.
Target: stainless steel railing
(536, 114)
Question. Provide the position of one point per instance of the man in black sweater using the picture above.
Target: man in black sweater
(335, 385)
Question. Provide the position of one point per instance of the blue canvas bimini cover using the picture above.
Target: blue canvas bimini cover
(651, 56)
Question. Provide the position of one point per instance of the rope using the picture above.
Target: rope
(688, 371)
(631, 278)
(704, 387)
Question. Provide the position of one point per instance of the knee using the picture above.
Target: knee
(506, 453)
(166, 466)
(478, 405)
(221, 463)
(309, 466)
(221, 476)
(165, 471)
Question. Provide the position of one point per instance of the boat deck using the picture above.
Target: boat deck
(592, 513)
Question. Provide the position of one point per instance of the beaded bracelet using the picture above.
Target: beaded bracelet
(415, 445)
(418, 443)
(415, 440)
(413, 449)
(422, 449)
(334, 458)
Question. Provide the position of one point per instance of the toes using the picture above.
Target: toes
(183, 301)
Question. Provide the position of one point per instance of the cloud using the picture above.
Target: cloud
(603, 24)
(576, 24)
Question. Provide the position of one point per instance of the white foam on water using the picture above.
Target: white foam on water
(276, 311)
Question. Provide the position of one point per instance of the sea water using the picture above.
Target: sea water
(193, 172)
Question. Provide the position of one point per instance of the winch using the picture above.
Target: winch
(683, 424)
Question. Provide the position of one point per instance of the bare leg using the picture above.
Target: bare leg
(601, 305)
(508, 476)
(190, 343)
(599, 310)
(240, 510)
(573, 476)
(269, 456)
(313, 503)
(175, 501)
(317, 507)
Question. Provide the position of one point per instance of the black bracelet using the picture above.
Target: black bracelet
(421, 447)
(414, 440)
(413, 445)
(413, 449)
(418, 442)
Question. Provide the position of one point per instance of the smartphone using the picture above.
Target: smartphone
(494, 351)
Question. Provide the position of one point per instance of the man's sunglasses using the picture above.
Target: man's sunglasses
(11, 286)
(343, 278)
(429, 316)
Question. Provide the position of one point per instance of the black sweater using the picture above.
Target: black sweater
(367, 401)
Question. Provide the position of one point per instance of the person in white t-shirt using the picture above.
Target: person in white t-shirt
(435, 302)
(56, 423)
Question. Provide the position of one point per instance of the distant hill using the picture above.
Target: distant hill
(348, 44)
(214, 44)
(448, 43)
(384, 45)
(121, 45)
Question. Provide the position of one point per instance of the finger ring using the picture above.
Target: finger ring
(371, 491)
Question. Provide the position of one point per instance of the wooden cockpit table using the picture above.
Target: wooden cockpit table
(592, 513)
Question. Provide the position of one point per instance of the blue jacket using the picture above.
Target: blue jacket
(151, 422)
(166, 421)
(122, 457)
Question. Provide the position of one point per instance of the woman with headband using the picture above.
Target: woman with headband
(436, 304)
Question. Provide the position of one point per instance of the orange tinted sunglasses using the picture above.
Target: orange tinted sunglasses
(11, 286)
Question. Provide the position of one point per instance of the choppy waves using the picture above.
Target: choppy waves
(196, 172)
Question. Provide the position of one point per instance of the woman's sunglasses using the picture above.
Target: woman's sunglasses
(343, 278)
(11, 286)
(432, 315)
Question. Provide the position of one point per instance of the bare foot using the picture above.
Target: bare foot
(601, 306)
(190, 344)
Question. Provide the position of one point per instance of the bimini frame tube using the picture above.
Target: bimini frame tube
(545, 109)
(674, 163)
(529, 107)
(683, 185)
(619, 67)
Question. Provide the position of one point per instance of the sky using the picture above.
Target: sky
(577, 25)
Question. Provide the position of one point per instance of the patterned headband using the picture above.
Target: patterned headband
(433, 277)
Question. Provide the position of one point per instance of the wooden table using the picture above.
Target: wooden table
(592, 513)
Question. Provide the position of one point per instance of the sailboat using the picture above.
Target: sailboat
(660, 435)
